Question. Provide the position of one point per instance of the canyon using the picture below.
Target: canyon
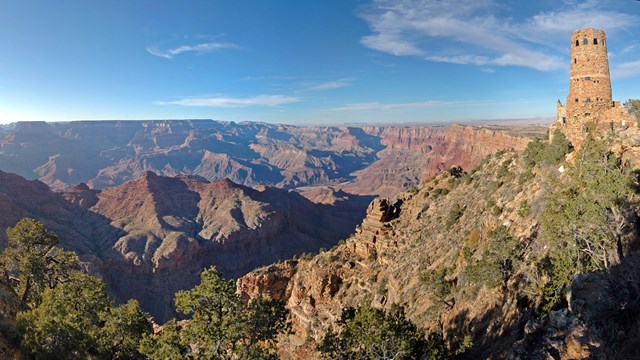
(150, 237)
(147, 205)
(367, 160)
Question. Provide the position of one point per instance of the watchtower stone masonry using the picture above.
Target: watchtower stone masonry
(589, 105)
(590, 83)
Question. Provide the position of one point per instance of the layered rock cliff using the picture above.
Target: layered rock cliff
(381, 160)
(415, 154)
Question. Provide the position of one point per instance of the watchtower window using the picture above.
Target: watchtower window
(577, 42)
(588, 99)
(576, 99)
(588, 78)
(595, 41)
(585, 41)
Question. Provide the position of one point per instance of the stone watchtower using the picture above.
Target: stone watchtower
(589, 103)
(589, 80)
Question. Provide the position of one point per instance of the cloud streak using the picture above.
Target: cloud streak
(376, 106)
(626, 70)
(229, 102)
(331, 85)
(198, 49)
(478, 32)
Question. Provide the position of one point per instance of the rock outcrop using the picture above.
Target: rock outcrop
(270, 282)
(372, 235)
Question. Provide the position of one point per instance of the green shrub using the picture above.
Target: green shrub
(455, 213)
(373, 254)
(531, 154)
(498, 260)
(436, 280)
(382, 286)
(496, 210)
(523, 210)
(525, 177)
(582, 221)
(503, 171)
(369, 333)
(440, 192)
(557, 149)
(539, 152)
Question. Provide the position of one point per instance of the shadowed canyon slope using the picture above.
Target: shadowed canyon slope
(363, 160)
(152, 236)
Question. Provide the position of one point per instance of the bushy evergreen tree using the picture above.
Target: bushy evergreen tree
(583, 218)
(65, 324)
(31, 262)
(221, 326)
(370, 333)
(122, 330)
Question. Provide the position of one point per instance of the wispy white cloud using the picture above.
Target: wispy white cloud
(199, 48)
(390, 43)
(331, 85)
(229, 102)
(462, 59)
(477, 34)
(566, 20)
(625, 70)
(629, 48)
(394, 106)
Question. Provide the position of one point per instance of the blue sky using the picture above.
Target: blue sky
(301, 62)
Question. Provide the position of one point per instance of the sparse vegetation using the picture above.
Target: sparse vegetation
(523, 210)
(498, 261)
(369, 333)
(438, 282)
(382, 286)
(455, 213)
(439, 192)
(221, 326)
(503, 170)
(584, 219)
(540, 152)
